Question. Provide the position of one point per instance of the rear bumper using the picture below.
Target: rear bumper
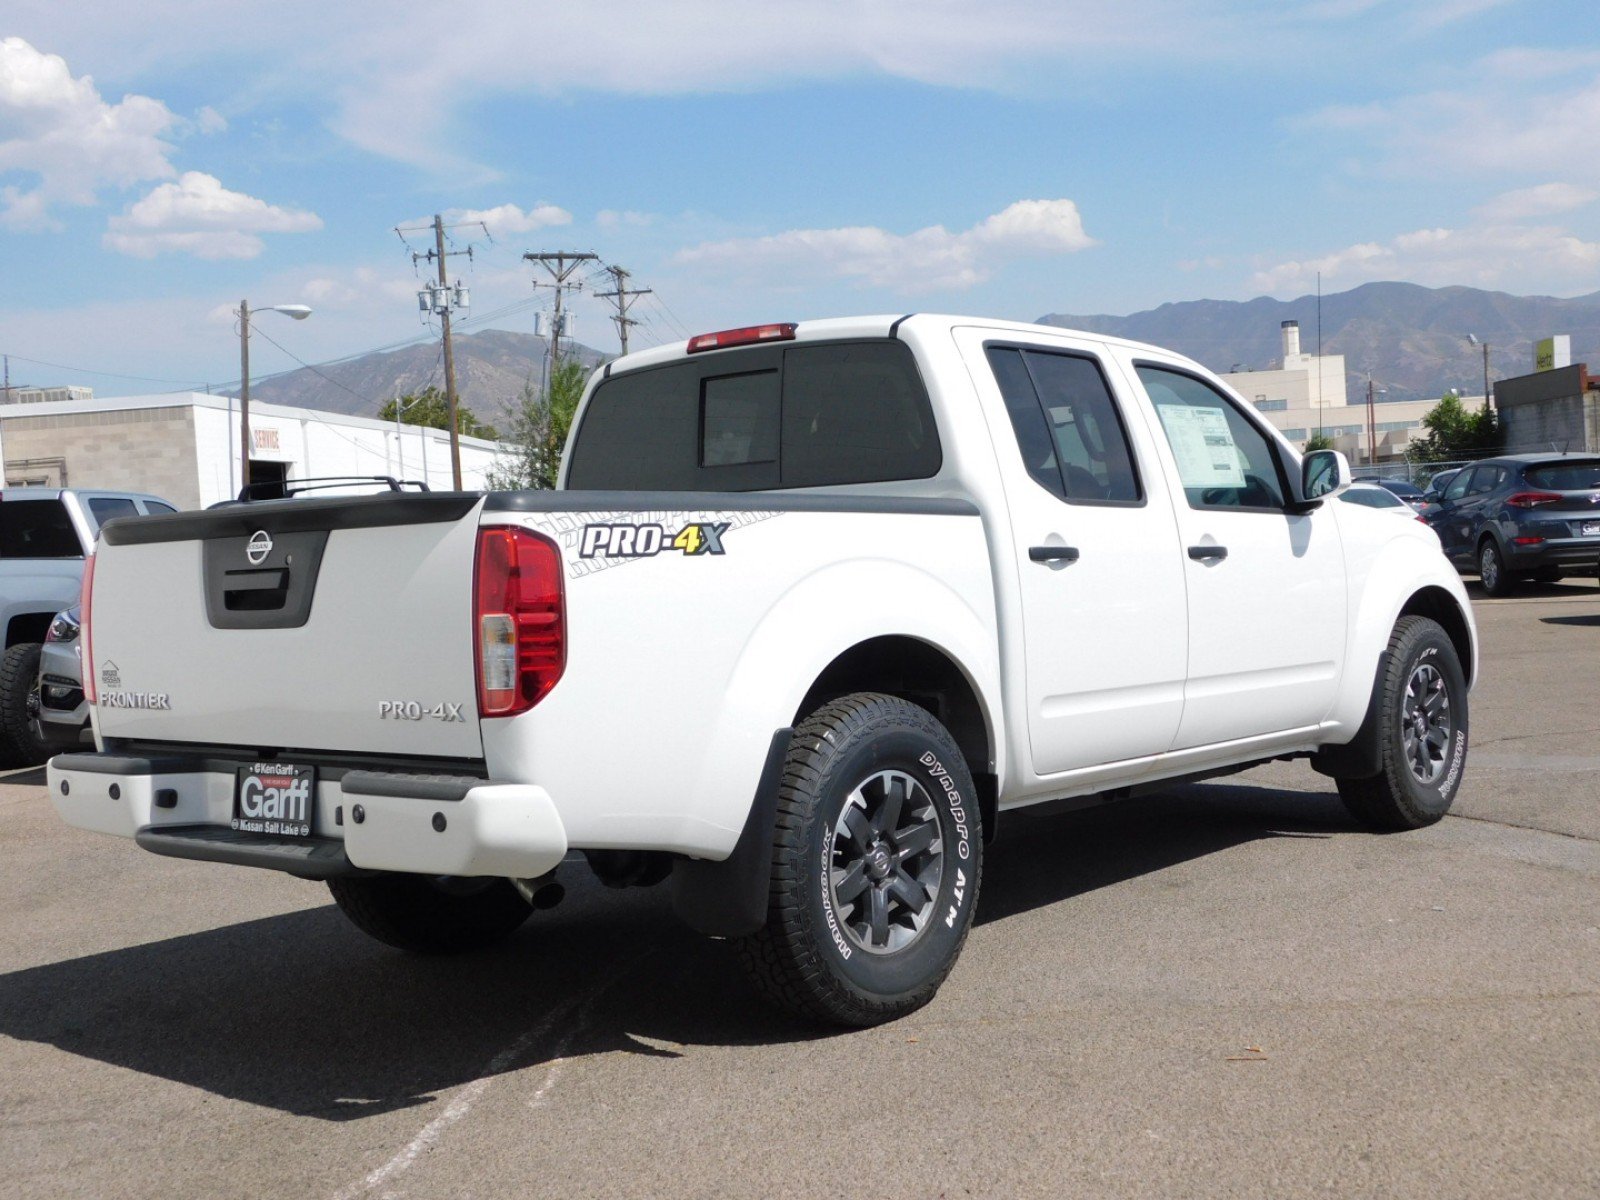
(1577, 554)
(362, 821)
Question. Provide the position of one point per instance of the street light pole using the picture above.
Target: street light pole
(299, 312)
(244, 395)
(1488, 401)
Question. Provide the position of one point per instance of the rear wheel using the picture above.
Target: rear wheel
(876, 862)
(19, 678)
(1422, 730)
(1492, 571)
(431, 916)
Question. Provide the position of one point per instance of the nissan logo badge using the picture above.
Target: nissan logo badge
(258, 547)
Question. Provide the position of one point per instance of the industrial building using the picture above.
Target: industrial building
(185, 446)
(1305, 395)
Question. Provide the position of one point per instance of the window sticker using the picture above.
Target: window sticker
(1203, 445)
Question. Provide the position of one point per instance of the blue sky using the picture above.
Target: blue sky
(160, 161)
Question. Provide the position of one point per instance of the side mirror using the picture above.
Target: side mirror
(1323, 474)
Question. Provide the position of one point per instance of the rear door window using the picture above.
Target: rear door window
(1067, 424)
(103, 508)
(37, 529)
(765, 417)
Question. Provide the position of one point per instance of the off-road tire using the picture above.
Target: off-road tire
(817, 957)
(1493, 574)
(1421, 673)
(20, 744)
(429, 916)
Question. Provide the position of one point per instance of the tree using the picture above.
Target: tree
(1455, 434)
(537, 432)
(1318, 441)
(431, 408)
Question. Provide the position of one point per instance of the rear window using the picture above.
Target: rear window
(1566, 476)
(37, 529)
(766, 417)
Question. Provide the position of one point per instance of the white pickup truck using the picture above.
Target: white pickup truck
(815, 605)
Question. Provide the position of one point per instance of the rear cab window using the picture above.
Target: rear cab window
(37, 529)
(803, 415)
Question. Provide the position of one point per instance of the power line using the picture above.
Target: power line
(39, 362)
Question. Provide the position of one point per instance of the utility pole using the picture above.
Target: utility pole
(561, 264)
(440, 301)
(623, 299)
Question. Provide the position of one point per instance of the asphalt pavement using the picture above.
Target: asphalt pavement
(1223, 991)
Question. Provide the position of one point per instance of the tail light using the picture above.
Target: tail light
(1533, 499)
(86, 648)
(520, 620)
(1527, 541)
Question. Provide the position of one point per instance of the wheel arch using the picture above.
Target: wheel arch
(926, 675)
(1441, 607)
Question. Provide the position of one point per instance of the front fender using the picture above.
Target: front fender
(1381, 585)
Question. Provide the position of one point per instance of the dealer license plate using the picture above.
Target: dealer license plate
(1591, 529)
(275, 798)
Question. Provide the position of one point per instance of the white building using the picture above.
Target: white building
(1305, 395)
(185, 446)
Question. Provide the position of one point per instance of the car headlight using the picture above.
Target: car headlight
(64, 628)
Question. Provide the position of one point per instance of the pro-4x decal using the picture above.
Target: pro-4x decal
(647, 540)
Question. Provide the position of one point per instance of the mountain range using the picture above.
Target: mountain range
(1412, 339)
(492, 367)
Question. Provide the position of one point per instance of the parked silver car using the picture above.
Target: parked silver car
(58, 708)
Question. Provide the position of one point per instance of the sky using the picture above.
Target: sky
(161, 162)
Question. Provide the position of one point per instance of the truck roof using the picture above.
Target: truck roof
(876, 326)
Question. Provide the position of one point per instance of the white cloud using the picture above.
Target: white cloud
(1487, 256)
(927, 259)
(1494, 126)
(508, 218)
(1544, 200)
(209, 120)
(610, 218)
(198, 216)
(59, 130)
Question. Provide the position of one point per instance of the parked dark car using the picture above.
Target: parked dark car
(1404, 488)
(1522, 516)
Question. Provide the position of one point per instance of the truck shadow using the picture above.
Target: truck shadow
(302, 1014)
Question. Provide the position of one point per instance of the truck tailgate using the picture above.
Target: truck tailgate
(335, 624)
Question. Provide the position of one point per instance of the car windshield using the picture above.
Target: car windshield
(1401, 488)
(1566, 476)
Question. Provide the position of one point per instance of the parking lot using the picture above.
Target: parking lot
(1225, 990)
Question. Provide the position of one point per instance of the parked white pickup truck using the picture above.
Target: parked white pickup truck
(815, 605)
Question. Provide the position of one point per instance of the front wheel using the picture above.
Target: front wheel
(1422, 730)
(876, 862)
(431, 916)
(19, 682)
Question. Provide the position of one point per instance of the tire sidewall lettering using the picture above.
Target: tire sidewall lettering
(912, 751)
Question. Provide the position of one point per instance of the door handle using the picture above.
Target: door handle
(1053, 553)
(1208, 553)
